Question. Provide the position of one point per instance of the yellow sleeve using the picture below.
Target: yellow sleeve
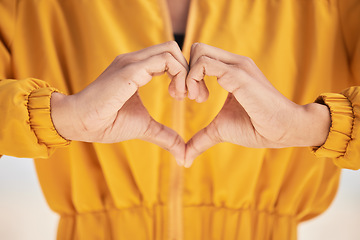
(343, 142)
(26, 126)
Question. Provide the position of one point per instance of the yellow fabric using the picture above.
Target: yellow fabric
(343, 140)
(39, 120)
(26, 126)
(135, 190)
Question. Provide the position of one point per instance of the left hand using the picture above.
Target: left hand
(255, 114)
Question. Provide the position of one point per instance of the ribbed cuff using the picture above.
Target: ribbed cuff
(40, 118)
(342, 121)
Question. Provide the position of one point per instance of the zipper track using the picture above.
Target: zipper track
(175, 214)
(175, 175)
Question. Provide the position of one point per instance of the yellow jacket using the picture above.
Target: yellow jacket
(135, 190)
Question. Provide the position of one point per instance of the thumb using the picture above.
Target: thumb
(165, 138)
(200, 142)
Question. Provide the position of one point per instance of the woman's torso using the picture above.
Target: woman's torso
(135, 190)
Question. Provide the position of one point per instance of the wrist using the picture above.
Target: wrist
(313, 125)
(62, 115)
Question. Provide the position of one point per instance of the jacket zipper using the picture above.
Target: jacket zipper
(178, 114)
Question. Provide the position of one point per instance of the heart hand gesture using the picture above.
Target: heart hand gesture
(110, 110)
(255, 114)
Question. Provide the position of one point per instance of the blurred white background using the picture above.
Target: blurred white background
(24, 214)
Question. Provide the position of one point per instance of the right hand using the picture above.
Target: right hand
(110, 110)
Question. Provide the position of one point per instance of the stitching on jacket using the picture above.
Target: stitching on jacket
(28, 109)
(352, 126)
(273, 213)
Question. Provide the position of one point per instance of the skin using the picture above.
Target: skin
(255, 114)
(110, 110)
(178, 10)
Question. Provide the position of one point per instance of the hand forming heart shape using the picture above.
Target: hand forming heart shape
(110, 110)
(255, 114)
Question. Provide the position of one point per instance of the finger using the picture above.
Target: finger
(172, 89)
(202, 49)
(193, 88)
(177, 87)
(246, 64)
(235, 80)
(205, 66)
(200, 142)
(203, 92)
(137, 74)
(166, 138)
(171, 47)
(160, 64)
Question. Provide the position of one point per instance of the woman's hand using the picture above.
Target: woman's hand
(255, 114)
(110, 110)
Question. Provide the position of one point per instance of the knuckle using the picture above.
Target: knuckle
(231, 74)
(123, 59)
(223, 81)
(234, 80)
(151, 129)
(203, 60)
(119, 57)
(239, 72)
(176, 142)
(231, 68)
(247, 62)
(130, 69)
(133, 70)
(172, 45)
(166, 55)
(200, 46)
(191, 144)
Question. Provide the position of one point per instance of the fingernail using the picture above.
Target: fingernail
(189, 95)
(179, 98)
(187, 164)
(194, 44)
(172, 94)
(180, 162)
